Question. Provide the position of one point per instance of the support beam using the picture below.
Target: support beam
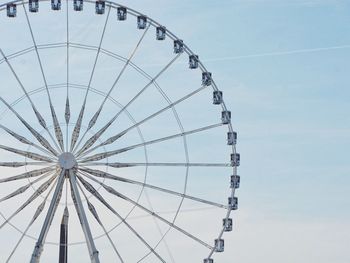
(63, 255)
(82, 217)
(39, 247)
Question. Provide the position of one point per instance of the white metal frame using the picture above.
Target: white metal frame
(52, 148)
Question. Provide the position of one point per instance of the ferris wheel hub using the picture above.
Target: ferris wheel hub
(67, 160)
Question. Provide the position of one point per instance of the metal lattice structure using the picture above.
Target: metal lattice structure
(69, 147)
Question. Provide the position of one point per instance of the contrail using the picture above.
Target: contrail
(269, 54)
(279, 53)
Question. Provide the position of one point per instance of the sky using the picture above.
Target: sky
(283, 68)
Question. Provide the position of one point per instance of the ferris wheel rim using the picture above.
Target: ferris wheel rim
(188, 51)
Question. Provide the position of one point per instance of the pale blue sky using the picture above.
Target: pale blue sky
(292, 115)
(283, 67)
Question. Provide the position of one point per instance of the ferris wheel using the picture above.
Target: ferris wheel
(116, 144)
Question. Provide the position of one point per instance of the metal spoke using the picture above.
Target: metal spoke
(24, 140)
(77, 127)
(165, 212)
(30, 155)
(156, 140)
(24, 188)
(67, 109)
(27, 175)
(20, 164)
(98, 112)
(124, 165)
(106, 175)
(97, 217)
(41, 189)
(37, 213)
(39, 246)
(82, 217)
(36, 134)
(116, 137)
(36, 112)
(96, 136)
(120, 195)
(67, 118)
(58, 131)
(99, 197)
(38, 115)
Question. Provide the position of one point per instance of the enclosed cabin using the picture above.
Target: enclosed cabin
(231, 138)
(56, 5)
(141, 22)
(193, 61)
(33, 6)
(208, 260)
(178, 46)
(160, 33)
(235, 181)
(219, 245)
(121, 13)
(233, 203)
(217, 97)
(206, 78)
(11, 10)
(100, 7)
(235, 159)
(226, 117)
(78, 5)
(227, 223)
